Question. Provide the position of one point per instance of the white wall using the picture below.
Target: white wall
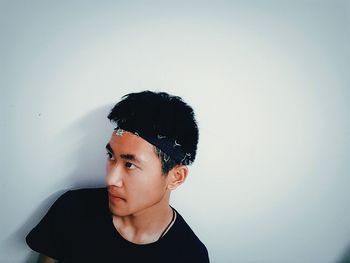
(269, 81)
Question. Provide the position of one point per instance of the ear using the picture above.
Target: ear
(177, 176)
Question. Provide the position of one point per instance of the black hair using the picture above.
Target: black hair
(159, 113)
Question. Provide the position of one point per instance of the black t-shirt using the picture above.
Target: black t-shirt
(79, 228)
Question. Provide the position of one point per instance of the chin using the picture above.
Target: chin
(117, 212)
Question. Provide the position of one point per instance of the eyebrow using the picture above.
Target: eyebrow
(127, 156)
(109, 148)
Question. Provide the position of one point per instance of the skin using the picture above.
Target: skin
(138, 191)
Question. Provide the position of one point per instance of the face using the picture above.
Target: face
(134, 175)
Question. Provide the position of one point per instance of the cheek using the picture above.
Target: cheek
(148, 186)
(107, 177)
(147, 194)
(107, 166)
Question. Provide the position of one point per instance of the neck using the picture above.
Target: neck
(145, 226)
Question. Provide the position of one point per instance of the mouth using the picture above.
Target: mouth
(114, 198)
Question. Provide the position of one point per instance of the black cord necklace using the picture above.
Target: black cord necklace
(169, 225)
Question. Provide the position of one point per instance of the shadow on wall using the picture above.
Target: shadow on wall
(86, 140)
(16, 241)
(345, 258)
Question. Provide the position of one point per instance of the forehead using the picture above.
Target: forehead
(129, 143)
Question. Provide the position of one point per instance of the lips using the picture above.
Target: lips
(112, 195)
(116, 198)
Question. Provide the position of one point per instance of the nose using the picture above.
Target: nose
(114, 175)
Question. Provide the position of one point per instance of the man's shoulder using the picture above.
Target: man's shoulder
(82, 200)
(84, 193)
(192, 246)
(183, 230)
(67, 220)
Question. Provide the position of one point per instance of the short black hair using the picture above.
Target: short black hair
(159, 113)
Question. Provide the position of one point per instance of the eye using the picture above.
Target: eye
(130, 166)
(110, 156)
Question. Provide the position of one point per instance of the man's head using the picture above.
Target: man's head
(163, 120)
(148, 153)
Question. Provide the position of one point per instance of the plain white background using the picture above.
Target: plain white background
(269, 81)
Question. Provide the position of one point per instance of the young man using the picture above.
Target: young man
(130, 220)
